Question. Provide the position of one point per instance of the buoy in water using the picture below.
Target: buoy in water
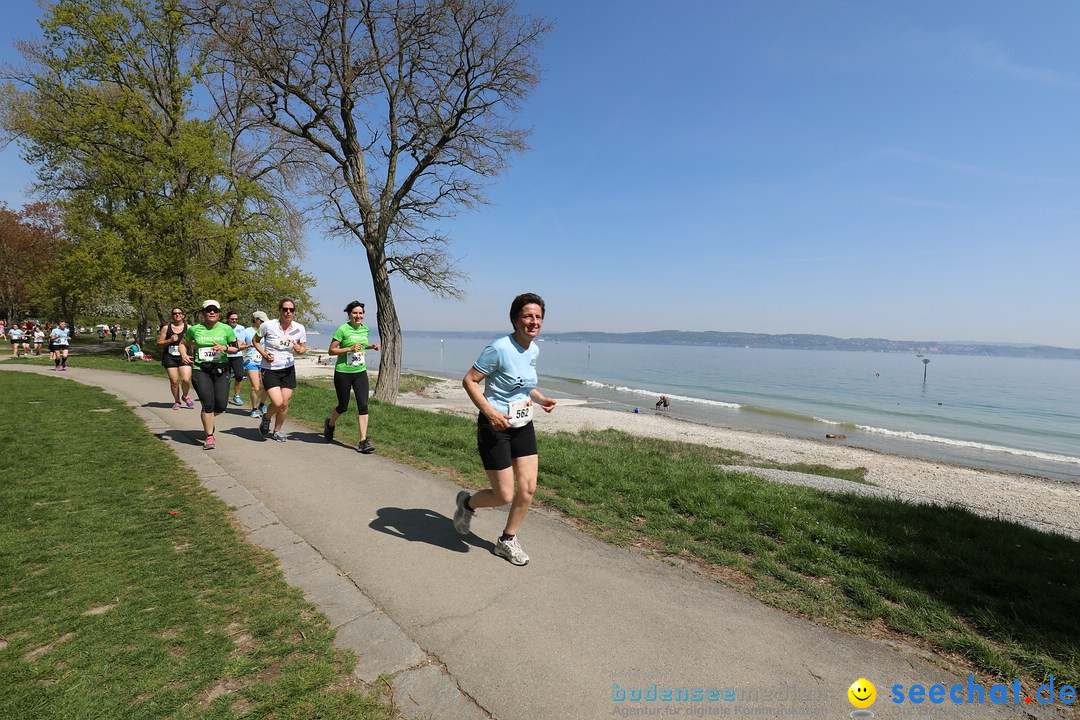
(835, 436)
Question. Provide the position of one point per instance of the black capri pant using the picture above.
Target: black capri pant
(212, 387)
(357, 383)
(237, 365)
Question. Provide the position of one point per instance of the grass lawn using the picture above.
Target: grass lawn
(997, 596)
(124, 590)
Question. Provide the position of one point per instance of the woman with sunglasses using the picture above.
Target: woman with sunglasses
(168, 339)
(349, 343)
(278, 342)
(205, 346)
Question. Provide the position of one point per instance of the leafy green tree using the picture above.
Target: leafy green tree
(399, 110)
(155, 204)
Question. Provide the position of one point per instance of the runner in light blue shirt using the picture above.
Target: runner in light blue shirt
(505, 436)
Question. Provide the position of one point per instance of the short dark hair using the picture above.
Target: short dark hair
(231, 313)
(354, 304)
(521, 301)
(282, 301)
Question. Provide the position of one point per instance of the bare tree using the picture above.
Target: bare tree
(403, 109)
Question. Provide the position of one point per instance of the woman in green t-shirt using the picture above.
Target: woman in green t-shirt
(205, 346)
(350, 374)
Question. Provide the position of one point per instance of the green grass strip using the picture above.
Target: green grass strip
(126, 592)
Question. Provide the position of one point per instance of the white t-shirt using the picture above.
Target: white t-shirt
(275, 341)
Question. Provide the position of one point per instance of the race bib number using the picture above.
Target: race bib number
(174, 350)
(520, 413)
(208, 354)
(355, 358)
(61, 340)
(284, 344)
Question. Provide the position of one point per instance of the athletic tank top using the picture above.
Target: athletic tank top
(175, 338)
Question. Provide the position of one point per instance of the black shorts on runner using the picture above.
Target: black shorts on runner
(170, 361)
(285, 377)
(498, 448)
(237, 365)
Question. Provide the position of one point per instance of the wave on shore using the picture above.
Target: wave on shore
(899, 435)
(907, 435)
(657, 393)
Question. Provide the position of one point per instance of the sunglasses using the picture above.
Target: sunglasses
(178, 313)
(212, 310)
(292, 310)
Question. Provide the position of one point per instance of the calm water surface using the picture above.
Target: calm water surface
(1013, 414)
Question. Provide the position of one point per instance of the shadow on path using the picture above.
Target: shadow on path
(427, 526)
(184, 437)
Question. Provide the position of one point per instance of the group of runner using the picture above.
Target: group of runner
(27, 338)
(30, 338)
(215, 357)
(205, 356)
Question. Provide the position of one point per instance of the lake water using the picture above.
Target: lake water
(1014, 414)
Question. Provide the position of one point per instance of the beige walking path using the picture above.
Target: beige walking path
(461, 633)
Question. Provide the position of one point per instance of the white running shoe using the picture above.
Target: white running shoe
(462, 517)
(511, 550)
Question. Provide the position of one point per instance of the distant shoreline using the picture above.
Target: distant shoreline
(927, 348)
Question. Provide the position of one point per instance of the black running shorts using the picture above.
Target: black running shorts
(498, 448)
(285, 377)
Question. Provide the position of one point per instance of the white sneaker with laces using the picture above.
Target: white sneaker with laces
(511, 550)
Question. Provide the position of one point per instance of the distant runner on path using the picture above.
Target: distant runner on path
(59, 342)
(350, 343)
(278, 342)
(169, 336)
(236, 360)
(505, 436)
(251, 364)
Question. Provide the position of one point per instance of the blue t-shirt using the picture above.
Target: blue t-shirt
(510, 371)
(247, 335)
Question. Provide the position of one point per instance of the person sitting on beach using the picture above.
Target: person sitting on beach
(663, 402)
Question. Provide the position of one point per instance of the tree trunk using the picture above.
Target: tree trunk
(386, 389)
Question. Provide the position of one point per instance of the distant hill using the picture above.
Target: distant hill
(799, 342)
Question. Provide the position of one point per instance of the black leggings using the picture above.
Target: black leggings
(212, 388)
(358, 384)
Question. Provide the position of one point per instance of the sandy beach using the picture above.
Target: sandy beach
(1039, 502)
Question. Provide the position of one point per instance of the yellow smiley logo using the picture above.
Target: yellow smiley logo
(862, 693)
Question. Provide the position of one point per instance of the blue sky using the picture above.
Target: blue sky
(860, 169)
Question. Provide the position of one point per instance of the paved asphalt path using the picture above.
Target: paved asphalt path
(461, 633)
